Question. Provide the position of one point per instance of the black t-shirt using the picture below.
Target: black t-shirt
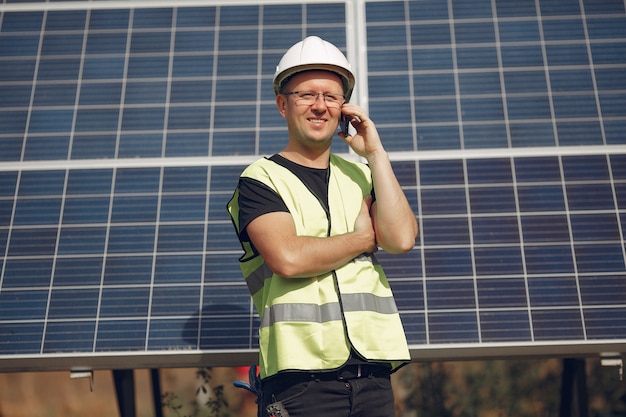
(256, 198)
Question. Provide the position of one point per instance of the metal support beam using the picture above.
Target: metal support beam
(574, 389)
(156, 392)
(125, 390)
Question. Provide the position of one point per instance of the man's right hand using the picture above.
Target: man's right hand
(364, 227)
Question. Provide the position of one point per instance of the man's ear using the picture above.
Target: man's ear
(281, 103)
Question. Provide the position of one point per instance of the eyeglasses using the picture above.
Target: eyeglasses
(309, 98)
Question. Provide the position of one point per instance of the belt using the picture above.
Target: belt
(279, 382)
(361, 370)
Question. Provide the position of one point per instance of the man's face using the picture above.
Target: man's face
(311, 125)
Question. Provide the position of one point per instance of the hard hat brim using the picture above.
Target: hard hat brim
(347, 78)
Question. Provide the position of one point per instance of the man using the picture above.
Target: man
(310, 223)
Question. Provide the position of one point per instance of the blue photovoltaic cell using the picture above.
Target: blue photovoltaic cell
(445, 231)
(504, 326)
(453, 327)
(502, 293)
(123, 129)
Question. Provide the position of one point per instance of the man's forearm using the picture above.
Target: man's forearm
(305, 256)
(394, 220)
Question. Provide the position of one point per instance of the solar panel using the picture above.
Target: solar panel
(125, 127)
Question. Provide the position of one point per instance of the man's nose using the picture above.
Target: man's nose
(320, 101)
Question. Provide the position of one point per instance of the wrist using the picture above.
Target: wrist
(365, 241)
(377, 155)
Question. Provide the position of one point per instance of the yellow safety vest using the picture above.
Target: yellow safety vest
(311, 323)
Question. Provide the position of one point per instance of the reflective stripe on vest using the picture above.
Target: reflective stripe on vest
(327, 312)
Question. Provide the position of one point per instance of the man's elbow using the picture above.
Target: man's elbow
(401, 243)
(399, 247)
(407, 245)
(283, 267)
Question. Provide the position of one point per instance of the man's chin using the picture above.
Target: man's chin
(321, 142)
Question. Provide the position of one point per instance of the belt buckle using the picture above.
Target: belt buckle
(350, 372)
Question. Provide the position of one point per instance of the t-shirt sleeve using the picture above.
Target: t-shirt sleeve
(256, 199)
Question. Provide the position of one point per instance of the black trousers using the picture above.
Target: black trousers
(353, 391)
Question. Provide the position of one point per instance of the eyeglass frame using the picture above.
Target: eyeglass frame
(324, 95)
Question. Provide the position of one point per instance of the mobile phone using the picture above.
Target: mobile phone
(344, 123)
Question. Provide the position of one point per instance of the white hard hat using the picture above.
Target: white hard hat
(314, 53)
